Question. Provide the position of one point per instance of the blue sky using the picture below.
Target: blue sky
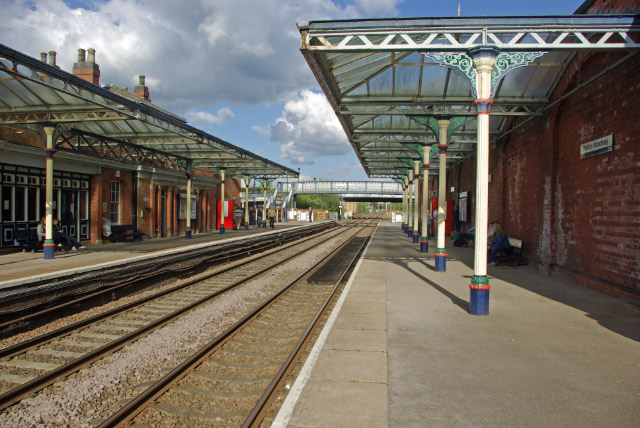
(230, 67)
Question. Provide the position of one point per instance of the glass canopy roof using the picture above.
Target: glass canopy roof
(380, 79)
(33, 93)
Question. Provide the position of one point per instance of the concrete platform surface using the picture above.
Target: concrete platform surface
(401, 350)
(18, 267)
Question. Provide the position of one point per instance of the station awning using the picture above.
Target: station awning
(387, 79)
(93, 121)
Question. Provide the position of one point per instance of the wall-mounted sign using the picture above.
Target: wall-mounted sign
(596, 147)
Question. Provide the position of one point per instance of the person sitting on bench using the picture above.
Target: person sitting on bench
(500, 241)
(72, 242)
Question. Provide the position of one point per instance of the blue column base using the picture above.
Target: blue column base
(409, 232)
(416, 238)
(49, 251)
(221, 230)
(424, 246)
(187, 234)
(479, 300)
(246, 227)
(264, 224)
(404, 228)
(441, 263)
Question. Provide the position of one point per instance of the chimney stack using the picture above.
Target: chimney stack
(87, 70)
(141, 91)
(52, 59)
(43, 57)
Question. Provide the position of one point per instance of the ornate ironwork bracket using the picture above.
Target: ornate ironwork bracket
(463, 63)
(36, 128)
(430, 122)
(507, 61)
(456, 123)
(89, 144)
(458, 61)
(61, 128)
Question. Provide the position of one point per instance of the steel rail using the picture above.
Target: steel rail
(136, 405)
(12, 350)
(14, 395)
(180, 259)
(259, 407)
(233, 255)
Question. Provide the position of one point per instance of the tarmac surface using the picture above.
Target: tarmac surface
(401, 349)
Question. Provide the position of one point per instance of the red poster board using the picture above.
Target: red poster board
(228, 220)
(448, 223)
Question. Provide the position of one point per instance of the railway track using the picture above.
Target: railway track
(30, 366)
(232, 379)
(73, 294)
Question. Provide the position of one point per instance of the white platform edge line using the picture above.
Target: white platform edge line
(286, 410)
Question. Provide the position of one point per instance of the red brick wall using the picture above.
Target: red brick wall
(95, 209)
(126, 187)
(21, 136)
(580, 215)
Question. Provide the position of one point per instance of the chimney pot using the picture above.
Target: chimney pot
(52, 58)
(43, 57)
(125, 88)
(87, 69)
(141, 91)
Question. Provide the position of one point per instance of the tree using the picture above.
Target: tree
(320, 201)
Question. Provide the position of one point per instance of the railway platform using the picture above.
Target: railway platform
(24, 267)
(401, 349)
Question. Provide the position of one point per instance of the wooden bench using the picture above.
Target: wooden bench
(27, 239)
(510, 254)
(121, 232)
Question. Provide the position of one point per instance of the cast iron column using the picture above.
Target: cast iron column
(416, 189)
(404, 205)
(264, 203)
(49, 246)
(246, 202)
(424, 239)
(441, 251)
(410, 206)
(187, 229)
(223, 205)
(483, 60)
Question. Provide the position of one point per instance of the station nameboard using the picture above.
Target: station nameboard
(596, 147)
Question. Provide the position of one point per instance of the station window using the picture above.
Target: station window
(7, 203)
(33, 203)
(114, 206)
(21, 203)
(84, 205)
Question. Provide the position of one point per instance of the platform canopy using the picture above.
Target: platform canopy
(94, 121)
(389, 79)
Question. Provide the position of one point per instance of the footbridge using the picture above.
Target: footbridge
(350, 191)
(356, 191)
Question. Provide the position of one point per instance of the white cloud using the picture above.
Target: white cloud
(204, 117)
(195, 53)
(300, 160)
(309, 127)
(260, 130)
